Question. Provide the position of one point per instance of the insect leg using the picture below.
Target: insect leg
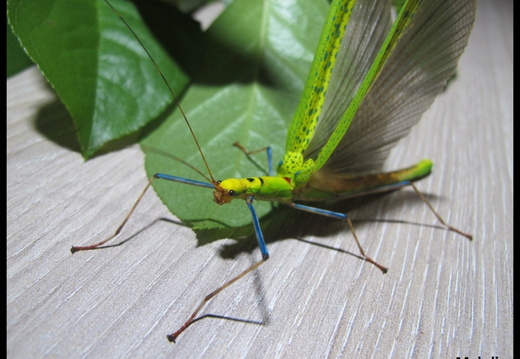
(265, 256)
(342, 217)
(268, 150)
(118, 230)
(451, 228)
(401, 184)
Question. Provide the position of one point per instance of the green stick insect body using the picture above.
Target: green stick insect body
(370, 82)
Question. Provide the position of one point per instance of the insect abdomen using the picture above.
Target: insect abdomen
(322, 187)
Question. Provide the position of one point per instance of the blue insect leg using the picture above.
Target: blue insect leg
(342, 217)
(320, 211)
(269, 151)
(184, 180)
(265, 255)
(398, 185)
(258, 229)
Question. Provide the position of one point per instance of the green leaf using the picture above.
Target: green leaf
(99, 71)
(17, 59)
(258, 60)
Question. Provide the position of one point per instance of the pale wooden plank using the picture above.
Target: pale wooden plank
(443, 296)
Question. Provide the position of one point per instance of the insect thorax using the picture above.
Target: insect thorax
(295, 167)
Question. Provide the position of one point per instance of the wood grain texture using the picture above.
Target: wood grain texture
(443, 296)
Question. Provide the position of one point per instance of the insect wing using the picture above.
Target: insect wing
(418, 58)
(350, 41)
(359, 42)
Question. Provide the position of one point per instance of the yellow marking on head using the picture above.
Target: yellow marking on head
(233, 185)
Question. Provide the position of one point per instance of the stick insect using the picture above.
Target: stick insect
(371, 80)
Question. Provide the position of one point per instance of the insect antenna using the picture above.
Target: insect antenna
(178, 159)
(175, 98)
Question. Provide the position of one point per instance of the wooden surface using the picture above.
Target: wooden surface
(443, 296)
